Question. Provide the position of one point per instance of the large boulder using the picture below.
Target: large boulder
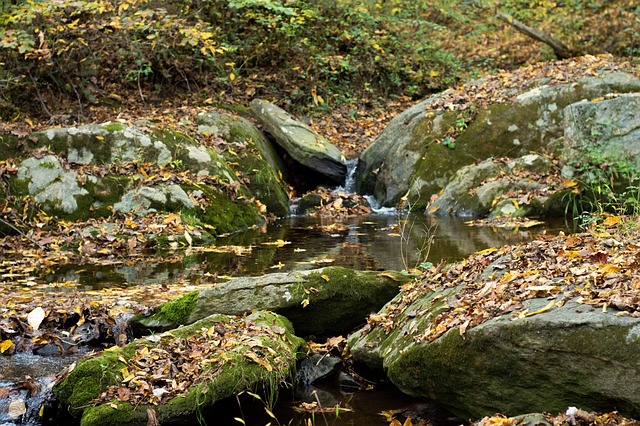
(603, 130)
(531, 328)
(328, 301)
(246, 148)
(95, 170)
(423, 147)
(172, 376)
(526, 186)
(304, 145)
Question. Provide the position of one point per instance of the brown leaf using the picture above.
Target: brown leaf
(124, 394)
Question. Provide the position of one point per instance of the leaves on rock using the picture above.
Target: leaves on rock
(598, 269)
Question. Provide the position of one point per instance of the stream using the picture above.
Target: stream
(380, 241)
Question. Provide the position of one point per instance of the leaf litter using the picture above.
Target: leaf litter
(600, 268)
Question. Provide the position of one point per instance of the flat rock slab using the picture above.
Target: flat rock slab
(302, 143)
(328, 301)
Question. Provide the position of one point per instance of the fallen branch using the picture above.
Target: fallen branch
(561, 51)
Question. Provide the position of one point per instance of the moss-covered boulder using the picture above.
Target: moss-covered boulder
(328, 301)
(95, 170)
(606, 132)
(178, 373)
(422, 148)
(526, 186)
(535, 327)
(247, 150)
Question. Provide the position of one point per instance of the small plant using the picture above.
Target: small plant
(449, 142)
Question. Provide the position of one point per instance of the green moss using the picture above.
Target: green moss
(113, 127)
(88, 379)
(227, 215)
(236, 374)
(178, 310)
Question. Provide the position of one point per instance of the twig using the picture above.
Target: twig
(21, 233)
(44, 106)
(140, 90)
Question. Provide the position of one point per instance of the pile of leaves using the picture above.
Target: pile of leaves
(337, 204)
(597, 268)
(58, 319)
(572, 417)
(166, 365)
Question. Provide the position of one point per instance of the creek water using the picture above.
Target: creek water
(376, 242)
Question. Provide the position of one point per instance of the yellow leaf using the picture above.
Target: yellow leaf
(485, 251)
(609, 269)
(326, 278)
(232, 76)
(570, 183)
(387, 275)
(434, 209)
(539, 311)
(187, 237)
(277, 243)
(611, 220)
(5, 345)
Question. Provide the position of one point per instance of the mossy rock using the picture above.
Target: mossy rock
(409, 155)
(322, 302)
(574, 355)
(277, 347)
(250, 153)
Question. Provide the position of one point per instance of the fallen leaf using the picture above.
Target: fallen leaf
(35, 318)
(5, 345)
(16, 408)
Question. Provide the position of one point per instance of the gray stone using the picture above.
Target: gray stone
(328, 301)
(408, 154)
(608, 129)
(146, 199)
(574, 355)
(476, 190)
(302, 143)
(253, 155)
(50, 184)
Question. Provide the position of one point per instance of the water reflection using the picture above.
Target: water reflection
(376, 242)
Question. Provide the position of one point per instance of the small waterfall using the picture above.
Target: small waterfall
(350, 182)
(377, 208)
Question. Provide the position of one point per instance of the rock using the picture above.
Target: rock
(409, 156)
(527, 186)
(262, 355)
(329, 301)
(302, 143)
(91, 171)
(50, 184)
(553, 357)
(545, 363)
(249, 150)
(315, 368)
(603, 131)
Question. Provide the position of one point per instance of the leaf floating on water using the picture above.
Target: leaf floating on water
(277, 243)
(36, 317)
